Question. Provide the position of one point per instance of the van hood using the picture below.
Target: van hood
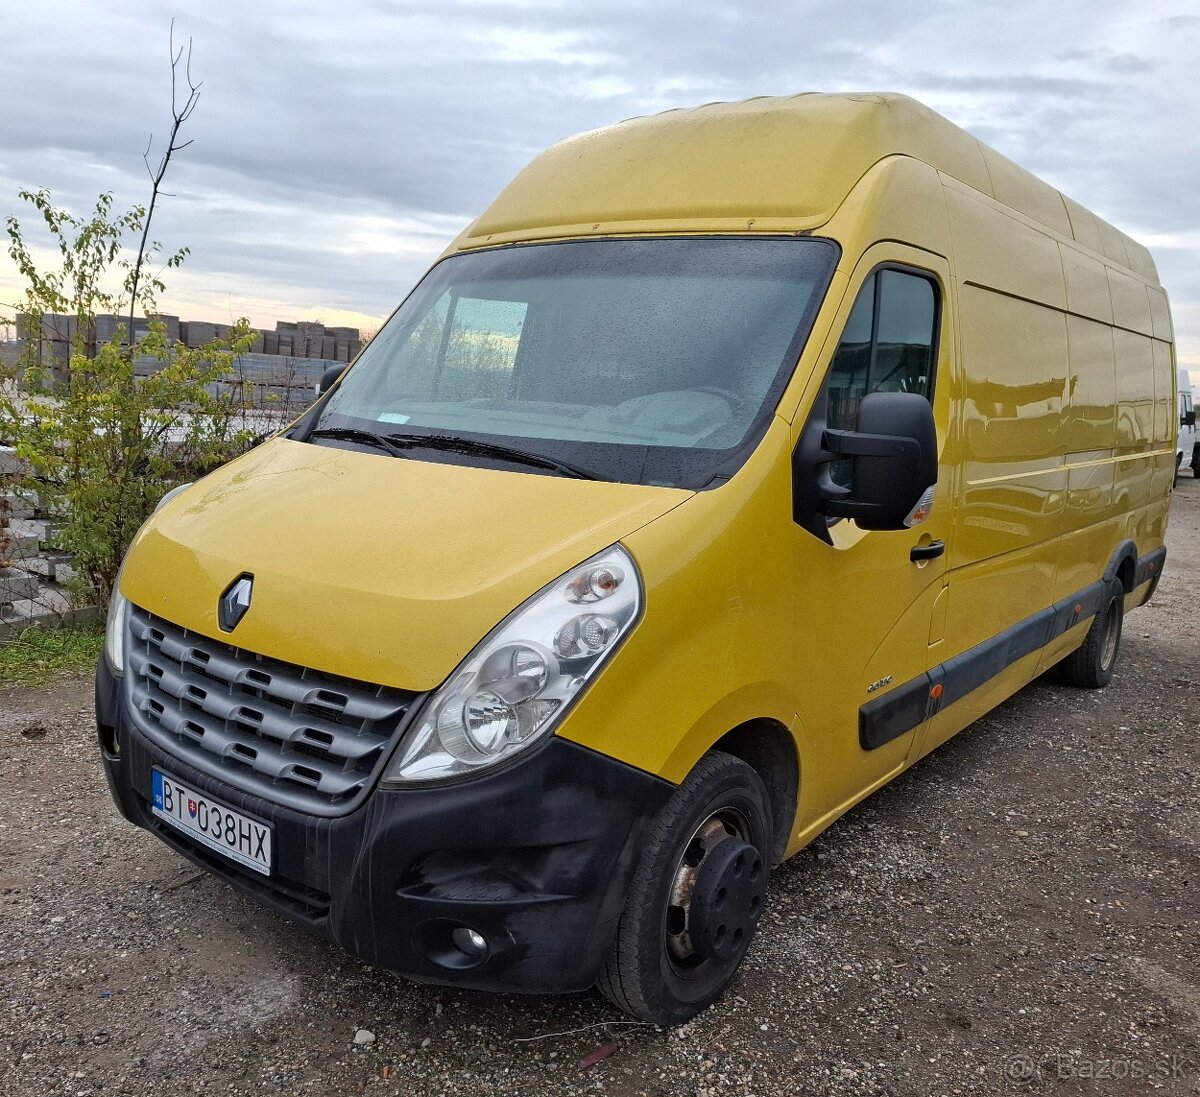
(376, 568)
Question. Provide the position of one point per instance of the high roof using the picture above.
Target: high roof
(766, 163)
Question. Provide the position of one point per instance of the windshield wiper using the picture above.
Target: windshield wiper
(453, 443)
(353, 434)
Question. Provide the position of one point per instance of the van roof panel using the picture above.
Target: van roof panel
(768, 163)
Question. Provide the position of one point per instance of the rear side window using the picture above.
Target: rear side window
(889, 345)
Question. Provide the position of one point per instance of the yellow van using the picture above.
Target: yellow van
(730, 462)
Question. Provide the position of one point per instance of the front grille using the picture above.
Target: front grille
(297, 737)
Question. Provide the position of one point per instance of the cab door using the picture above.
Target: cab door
(870, 604)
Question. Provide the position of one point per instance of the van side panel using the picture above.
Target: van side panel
(1088, 434)
(998, 250)
(1135, 392)
(1013, 367)
(1066, 424)
(1166, 421)
(1090, 416)
(1086, 277)
(1160, 315)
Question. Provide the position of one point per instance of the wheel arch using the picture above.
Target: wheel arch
(767, 747)
(1122, 565)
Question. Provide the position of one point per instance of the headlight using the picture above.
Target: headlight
(114, 631)
(519, 681)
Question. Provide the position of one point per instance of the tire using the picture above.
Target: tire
(670, 960)
(1092, 665)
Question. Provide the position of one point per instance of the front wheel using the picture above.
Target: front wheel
(1091, 666)
(696, 897)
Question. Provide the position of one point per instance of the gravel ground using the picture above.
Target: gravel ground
(1018, 913)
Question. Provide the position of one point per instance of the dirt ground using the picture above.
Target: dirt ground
(1017, 914)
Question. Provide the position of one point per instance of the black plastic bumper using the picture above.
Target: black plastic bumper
(536, 857)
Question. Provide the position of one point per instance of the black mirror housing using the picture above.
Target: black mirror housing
(893, 454)
(329, 377)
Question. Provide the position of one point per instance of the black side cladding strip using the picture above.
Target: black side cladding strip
(901, 708)
(1150, 565)
(911, 703)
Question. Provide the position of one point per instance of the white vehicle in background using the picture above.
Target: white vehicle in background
(1187, 447)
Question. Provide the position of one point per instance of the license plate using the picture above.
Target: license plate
(212, 824)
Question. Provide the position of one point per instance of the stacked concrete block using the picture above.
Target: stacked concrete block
(23, 540)
(51, 566)
(41, 528)
(17, 585)
(32, 581)
(105, 329)
(196, 333)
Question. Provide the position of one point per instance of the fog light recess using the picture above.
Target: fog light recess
(451, 944)
(470, 943)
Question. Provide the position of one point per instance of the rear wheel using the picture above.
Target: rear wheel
(1091, 666)
(696, 897)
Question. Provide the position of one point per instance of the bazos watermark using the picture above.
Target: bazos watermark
(1070, 1065)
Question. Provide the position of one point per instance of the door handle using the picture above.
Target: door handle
(930, 551)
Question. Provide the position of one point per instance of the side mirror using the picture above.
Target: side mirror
(893, 455)
(329, 377)
(1189, 419)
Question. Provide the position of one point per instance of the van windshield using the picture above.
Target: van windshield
(655, 361)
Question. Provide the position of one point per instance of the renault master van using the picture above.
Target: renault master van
(729, 463)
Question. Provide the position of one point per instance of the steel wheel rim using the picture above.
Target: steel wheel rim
(717, 827)
(1112, 635)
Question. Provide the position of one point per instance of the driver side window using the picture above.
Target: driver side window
(889, 345)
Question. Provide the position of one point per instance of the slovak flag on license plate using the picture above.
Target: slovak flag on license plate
(192, 808)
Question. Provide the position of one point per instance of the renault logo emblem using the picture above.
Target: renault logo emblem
(235, 602)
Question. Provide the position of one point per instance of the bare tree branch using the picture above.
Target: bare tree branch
(178, 117)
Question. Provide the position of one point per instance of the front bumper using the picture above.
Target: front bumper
(536, 857)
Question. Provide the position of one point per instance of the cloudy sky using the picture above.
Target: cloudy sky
(339, 147)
